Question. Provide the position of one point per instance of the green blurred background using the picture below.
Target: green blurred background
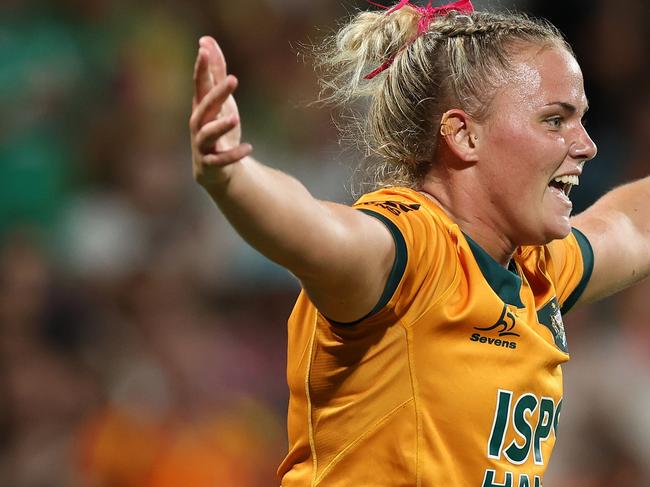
(142, 343)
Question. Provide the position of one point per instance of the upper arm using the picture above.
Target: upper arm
(350, 264)
(621, 250)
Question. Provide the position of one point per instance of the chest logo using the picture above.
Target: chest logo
(550, 316)
(532, 422)
(504, 325)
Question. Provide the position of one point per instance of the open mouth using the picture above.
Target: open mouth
(565, 183)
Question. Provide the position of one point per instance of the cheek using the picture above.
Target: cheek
(529, 156)
(515, 152)
(509, 136)
(512, 143)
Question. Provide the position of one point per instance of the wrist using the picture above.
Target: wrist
(216, 181)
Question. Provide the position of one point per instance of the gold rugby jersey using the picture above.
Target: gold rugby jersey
(454, 380)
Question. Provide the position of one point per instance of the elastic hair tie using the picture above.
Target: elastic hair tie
(427, 15)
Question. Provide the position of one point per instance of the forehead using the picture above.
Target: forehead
(545, 76)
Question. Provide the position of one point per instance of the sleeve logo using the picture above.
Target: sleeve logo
(396, 208)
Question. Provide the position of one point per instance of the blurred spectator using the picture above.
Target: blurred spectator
(46, 388)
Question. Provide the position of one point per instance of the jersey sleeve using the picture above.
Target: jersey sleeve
(572, 264)
(417, 275)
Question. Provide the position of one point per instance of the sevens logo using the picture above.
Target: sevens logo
(504, 324)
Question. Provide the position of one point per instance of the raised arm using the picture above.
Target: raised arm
(342, 256)
(618, 228)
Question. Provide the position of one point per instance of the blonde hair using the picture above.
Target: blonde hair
(459, 62)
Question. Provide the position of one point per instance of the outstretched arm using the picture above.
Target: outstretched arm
(342, 256)
(618, 228)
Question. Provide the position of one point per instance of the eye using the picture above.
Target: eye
(555, 122)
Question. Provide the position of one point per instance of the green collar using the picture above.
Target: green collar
(504, 282)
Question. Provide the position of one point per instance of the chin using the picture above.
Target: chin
(559, 229)
(554, 219)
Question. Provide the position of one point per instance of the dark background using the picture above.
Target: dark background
(142, 343)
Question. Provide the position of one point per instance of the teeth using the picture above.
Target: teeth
(573, 180)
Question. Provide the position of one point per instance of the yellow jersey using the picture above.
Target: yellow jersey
(453, 380)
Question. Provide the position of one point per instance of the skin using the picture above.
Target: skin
(492, 177)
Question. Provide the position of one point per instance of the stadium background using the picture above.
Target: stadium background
(142, 343)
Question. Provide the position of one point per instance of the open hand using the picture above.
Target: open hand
(215, 127)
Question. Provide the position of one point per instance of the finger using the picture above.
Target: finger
(211, 104)
(216, 59)
(202, 81)
(194, 78)
(211, 132)
(228, 157)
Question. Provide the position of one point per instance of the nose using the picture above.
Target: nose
(583, 147)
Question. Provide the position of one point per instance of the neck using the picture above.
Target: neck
(469, 207)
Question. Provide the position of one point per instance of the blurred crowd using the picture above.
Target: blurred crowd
(142, 343)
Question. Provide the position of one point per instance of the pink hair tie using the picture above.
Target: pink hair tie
(427, 14)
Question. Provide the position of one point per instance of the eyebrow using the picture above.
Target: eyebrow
(568, 106)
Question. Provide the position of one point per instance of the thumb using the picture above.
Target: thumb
(216, 59)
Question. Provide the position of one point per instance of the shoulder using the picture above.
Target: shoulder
(567, 263)
(394, 200)
(404, 207)
(426, 241)
(415, 221)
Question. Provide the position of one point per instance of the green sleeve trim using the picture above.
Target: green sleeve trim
(396, 273)
(588, 265)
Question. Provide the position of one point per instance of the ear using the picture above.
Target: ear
(459, 131)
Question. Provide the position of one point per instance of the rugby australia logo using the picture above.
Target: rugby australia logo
(504, 327)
